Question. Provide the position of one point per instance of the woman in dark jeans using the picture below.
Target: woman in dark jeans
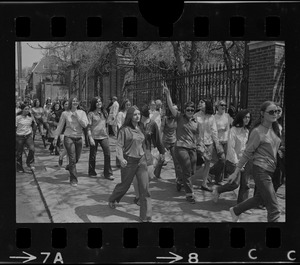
(97, 134)
(185, 148)
(24, 124)
(75, 120)
(130, 151)
(237, 139)
(168, 129)
(53, 119)
(262, 148)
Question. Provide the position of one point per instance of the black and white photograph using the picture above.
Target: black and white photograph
(150, 131)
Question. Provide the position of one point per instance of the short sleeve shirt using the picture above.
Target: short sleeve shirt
(23, 125)
(187, 131)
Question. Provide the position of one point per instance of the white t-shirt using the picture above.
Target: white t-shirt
(23, 124)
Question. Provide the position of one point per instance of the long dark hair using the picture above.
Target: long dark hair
(128, 117)
(259, 121)
(22, 107)
(209, 107)
(93, 106)
(35, 101)
(238, 120)
(70, 102)
(53, 106)
(122, 107)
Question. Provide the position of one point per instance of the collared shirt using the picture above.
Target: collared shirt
(73, 125)
(169, 126)
(97, 125)
(187, 131)
(208, 128)
(262, 146)
(23, 124)
(223, 126)
(131, 141)
(238, 137)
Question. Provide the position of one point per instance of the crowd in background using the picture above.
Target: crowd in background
(224, 142)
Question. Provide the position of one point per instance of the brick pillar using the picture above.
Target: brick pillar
(265, 60)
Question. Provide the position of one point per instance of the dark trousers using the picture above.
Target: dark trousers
(106, 151)
(135, 167)
(242, 180)
(187, 159)
(73, 147)
(265, 195)
(178, 173)
(218, 168)
(52, 147)
(21, 141)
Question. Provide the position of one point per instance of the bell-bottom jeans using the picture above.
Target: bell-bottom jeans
(73, 146)
(135, 167)
(265, 195)
(218, 168)
(187, 159)
(106, 151)
(241, 181)
(171, 149)
(21, 141)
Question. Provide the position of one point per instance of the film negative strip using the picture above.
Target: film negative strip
(250, 49)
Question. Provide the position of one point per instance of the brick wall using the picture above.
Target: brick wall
(263, 60)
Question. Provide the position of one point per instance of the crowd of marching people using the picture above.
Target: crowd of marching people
(226, 144)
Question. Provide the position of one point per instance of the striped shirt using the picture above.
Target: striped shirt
(23, 125)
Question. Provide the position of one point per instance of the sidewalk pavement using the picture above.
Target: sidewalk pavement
(88, 202)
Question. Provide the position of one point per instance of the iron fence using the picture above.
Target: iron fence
(211, 81)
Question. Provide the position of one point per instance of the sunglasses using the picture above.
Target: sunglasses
(189, 110)
(272, 112)
(223, 105)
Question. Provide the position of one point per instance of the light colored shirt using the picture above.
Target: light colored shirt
(262, 147)
(238, 137)
(155, 116)
(121, 118)
(223, 126)
(113, 111)
(23, 124)
(73, 125)
(97, 125)
(208, 128)
(37, 112)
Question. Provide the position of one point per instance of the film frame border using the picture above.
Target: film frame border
(112, 241)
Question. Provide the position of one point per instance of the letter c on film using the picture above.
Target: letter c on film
(249, 253)
(289, 255)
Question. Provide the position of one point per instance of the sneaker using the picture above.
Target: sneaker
(147, 220)
(20, 170)
(137, 201)
(206, 188)
(93, 174)
(215, 195)
(191, 199)
(234, 217)
(112, 205)
(73, 183)
(31, 167)
(110, 177)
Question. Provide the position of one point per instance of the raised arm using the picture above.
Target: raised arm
(169, 100)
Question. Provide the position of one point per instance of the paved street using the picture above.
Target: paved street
(88, 201)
